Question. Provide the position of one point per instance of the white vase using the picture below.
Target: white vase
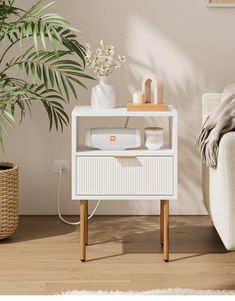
(103, 95)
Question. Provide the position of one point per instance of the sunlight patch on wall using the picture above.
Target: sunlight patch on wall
(150, 50)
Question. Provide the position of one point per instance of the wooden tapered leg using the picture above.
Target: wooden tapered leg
(86, 223)
(82, 230)
(165, 230)
(161, 222)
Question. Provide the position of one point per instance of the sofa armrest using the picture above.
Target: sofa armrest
(222, 190)
(219, 184)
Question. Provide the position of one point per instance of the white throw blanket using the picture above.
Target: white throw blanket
(219, 122)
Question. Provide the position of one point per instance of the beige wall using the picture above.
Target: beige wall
(192, 47)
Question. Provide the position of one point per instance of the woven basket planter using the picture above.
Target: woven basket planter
(8, 199)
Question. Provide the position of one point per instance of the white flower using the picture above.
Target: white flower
(109, 50)
(98, 52)
(106, 68)
(122, 58)
(107, 60)
(100, 70)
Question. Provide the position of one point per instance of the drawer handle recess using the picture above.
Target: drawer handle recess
(124, 157)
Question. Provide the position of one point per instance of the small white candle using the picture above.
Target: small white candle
(138, 98)
(135, 98)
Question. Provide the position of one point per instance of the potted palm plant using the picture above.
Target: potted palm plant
(54, 64)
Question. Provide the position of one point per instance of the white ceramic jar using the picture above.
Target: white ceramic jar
(153, 138)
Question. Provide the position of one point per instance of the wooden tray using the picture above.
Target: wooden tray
(147, 107)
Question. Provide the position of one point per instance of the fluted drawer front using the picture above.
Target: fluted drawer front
(124, 176)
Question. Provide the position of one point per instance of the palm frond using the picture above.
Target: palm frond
(20, 94)
(35, 23)
(51, 68)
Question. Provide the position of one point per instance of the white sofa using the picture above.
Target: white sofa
(219, 184)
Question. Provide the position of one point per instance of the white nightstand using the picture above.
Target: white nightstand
(137, 174)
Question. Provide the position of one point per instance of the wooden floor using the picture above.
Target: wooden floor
(123, 254)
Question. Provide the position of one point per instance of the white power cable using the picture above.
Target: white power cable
(58, 203)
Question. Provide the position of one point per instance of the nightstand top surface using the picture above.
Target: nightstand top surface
(87, 111)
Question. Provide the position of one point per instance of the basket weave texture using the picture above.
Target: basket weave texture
(8, 199)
